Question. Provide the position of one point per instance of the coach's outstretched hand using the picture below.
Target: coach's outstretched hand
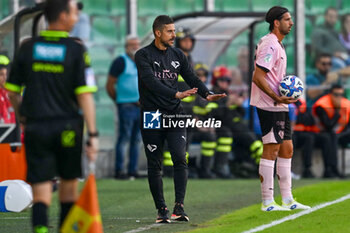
(184, 94)
(92, 148)
(215, 97)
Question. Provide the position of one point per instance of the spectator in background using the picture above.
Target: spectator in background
(234, 134)
(344, 35)
(202, 110)
(306, 137)
(238, 86)
(185, 41)
(82, 28)
(317, 83)
(325, 39)
(7, 114)
(122, 88)
(332, 113)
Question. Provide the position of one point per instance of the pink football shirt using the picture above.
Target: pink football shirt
(269, 56)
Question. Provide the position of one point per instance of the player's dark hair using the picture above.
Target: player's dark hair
(53, 9)
(275, 13)
(160, 21)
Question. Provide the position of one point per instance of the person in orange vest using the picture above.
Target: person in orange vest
(332, 112)
(306, 136)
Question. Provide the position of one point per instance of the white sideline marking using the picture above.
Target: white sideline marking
(144, 228)
(11, 218)
(297, 215)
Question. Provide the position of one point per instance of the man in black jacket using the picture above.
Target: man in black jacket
(159, 65)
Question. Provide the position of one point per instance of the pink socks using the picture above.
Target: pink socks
(284, 177)
(266, 170)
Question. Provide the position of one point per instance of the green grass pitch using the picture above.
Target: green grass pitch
(213, 206)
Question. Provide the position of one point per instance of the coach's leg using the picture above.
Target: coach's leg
(68, 194)
(153, 141)
(284, 164)
(266, 171)
(42, 193)
(176, 139)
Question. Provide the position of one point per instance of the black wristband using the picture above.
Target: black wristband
(91, 135)
(210, 93)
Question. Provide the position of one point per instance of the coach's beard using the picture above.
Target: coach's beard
(166, 43)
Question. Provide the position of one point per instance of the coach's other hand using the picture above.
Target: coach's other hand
(92, 148)
(184, 94)
(215, 97)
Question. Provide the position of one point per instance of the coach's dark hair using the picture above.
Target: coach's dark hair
(160, 21)
(53, 9)
(274, 13)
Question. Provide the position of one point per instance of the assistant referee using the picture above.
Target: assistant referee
(55, 71)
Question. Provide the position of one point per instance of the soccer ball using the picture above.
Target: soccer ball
(291, 86)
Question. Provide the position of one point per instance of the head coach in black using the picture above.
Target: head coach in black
(159, 65)
(58, 84)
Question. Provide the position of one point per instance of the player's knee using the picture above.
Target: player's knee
(180, 161)
(270, 151)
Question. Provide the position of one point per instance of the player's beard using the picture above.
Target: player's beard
(285, 31)
(167, 43)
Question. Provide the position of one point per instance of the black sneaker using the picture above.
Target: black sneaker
(179, 213)
(307, 173)
(163, 215)
(120, 175)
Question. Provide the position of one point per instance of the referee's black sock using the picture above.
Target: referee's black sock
(65, 207)
(39, 216)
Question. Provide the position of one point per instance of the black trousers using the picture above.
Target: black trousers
(307, 141)
(153, 141)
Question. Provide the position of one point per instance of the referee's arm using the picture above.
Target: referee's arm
(86, 102)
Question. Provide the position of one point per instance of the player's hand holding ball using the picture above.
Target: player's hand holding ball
(290, 88)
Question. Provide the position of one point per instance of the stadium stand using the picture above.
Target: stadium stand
(4, 9)
(104, 30)
(118, 7)
(258, 5)
(93, 7)
(290, 58)
(151, 7)
(222, 5)
(174, 7)
(319, 6)
(100, 59)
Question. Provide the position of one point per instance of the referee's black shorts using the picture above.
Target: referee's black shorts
(275, 126)
(53, 148)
